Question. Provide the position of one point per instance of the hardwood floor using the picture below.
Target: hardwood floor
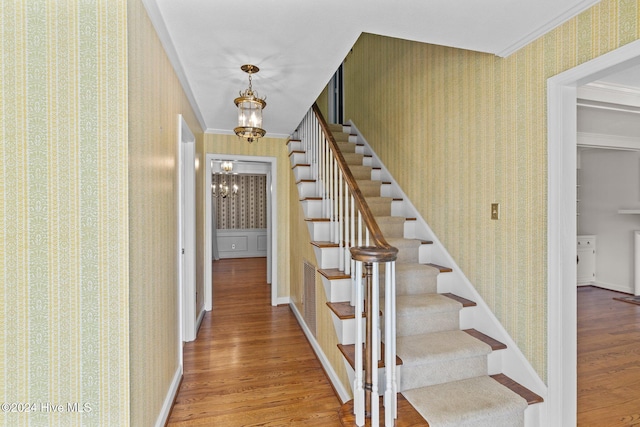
(608, 359)
(251, 364)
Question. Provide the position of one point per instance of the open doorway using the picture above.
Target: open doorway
(247, 165)
(562, 225)
(186, 234)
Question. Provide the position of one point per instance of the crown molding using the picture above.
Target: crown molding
(163, 34)
(612, 142)
(543, 29)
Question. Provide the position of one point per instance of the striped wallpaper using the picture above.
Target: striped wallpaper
(460, 130)
(64, 315)
(245, 210)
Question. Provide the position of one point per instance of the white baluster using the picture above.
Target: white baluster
(390, 394)
(374, 343)
(358, 394)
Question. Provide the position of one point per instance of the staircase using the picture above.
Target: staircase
(448, 374)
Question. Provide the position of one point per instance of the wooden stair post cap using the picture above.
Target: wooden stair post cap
(374, 254)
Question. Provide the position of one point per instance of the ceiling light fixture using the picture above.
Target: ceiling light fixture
(250, 110)
(219, 186)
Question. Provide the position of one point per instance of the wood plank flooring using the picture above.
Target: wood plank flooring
(608, 359)
(251, 364)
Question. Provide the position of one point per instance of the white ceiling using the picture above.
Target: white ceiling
(298, 44)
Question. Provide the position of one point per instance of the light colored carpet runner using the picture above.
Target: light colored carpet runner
(444, 371)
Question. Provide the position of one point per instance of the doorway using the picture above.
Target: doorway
(562, 225)
(251, 165)
(186, 233)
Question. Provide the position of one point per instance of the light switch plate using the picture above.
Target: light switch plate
(495, 210)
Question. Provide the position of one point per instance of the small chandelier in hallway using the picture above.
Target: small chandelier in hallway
(222, 189)
(249, 110)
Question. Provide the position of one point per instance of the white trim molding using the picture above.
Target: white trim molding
(562, 228)
(163, 416)
(544, 29)
(612, 142)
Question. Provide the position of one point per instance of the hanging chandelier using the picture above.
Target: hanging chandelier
(222, 189)
(250, 110)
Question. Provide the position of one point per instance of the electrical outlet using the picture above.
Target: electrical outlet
(495, 211)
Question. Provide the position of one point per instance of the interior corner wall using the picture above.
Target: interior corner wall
(156, 98)
(264, 147)
(460, 130)
(64, 243)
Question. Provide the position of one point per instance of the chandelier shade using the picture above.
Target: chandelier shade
(250, 108)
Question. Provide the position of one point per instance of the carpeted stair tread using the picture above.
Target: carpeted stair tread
(391, 226)
(369, 188)
(439, 346)
(379, 206)
(412, 279)
(407, 305)
(477, 402)
(347, 147)
(360, 171)
(353, 158)
(408, 249)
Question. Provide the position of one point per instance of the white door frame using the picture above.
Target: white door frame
(562, 227)
(186, 232)
(272, 225)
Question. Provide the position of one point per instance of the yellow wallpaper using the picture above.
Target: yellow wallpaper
(264, 147)
(460, 130)
(155, 100)
(64, 244)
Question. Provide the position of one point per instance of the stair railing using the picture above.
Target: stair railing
(362, 249)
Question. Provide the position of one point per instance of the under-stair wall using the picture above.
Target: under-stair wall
(325, 341)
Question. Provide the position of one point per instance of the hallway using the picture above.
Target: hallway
(251, 364)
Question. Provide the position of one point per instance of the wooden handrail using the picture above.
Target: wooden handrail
(381, 251)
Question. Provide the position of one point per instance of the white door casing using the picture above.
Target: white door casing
(562, 226)
(186, 232)
(263, 165)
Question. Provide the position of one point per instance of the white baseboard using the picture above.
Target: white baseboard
(614, 287)
(283, 301)
(199, 319)
(343, 394)
(168, 400)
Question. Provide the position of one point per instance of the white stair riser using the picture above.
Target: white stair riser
(345, 329)
(397, 208)
(312, 208)
(410, 229)
(306, 189)
(328, 257)
(294, 145)
(385, 190)
(297, 158)
(424, 253)
(320, 231)
(301, 172)
(337, 290)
